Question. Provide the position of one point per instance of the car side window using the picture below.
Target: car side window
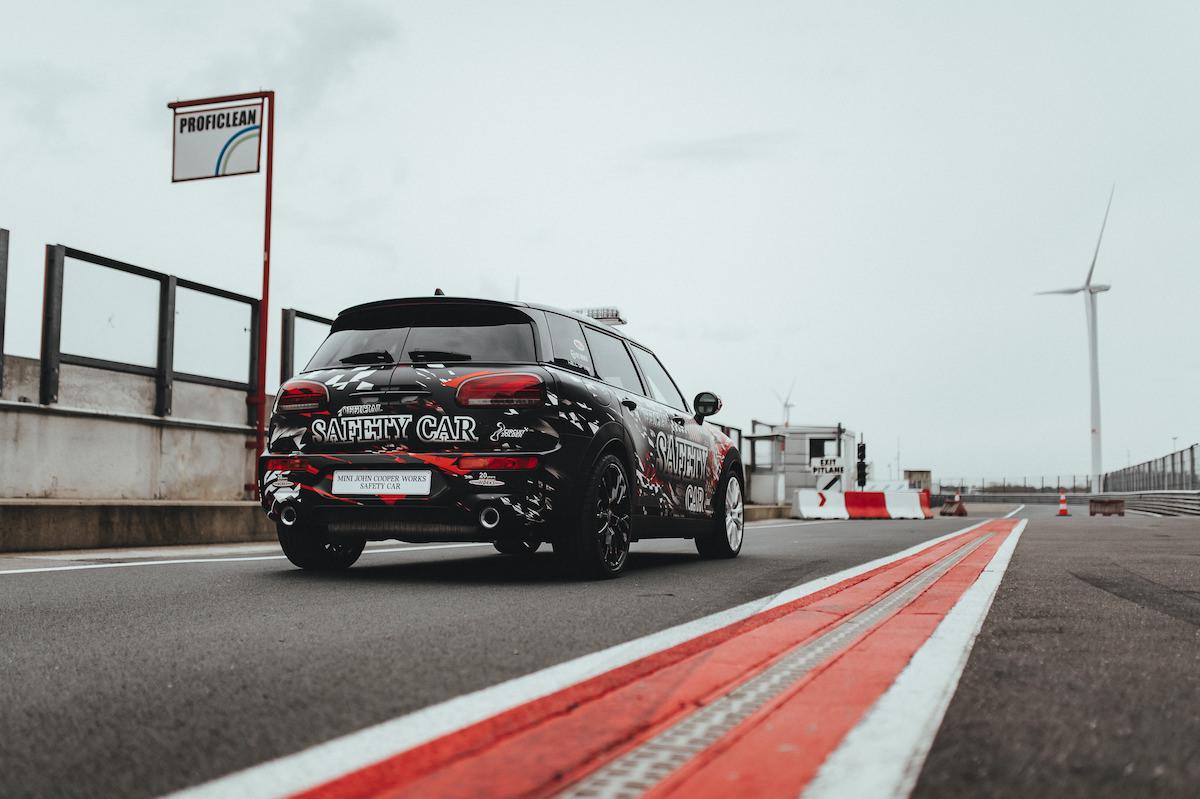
(662, 387)
(570, 347)
(612, 361)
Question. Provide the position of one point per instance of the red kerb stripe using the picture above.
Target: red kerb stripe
(541, 746)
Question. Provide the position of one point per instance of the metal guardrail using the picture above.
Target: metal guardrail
(1164, 503)
(1025, 499)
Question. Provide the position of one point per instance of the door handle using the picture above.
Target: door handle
(677, 420)
(630, 404)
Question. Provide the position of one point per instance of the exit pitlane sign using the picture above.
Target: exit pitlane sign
(828, 471)
(827, 465)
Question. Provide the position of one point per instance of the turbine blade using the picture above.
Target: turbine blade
(1096, 254)
(1060, 291)
(790, 388)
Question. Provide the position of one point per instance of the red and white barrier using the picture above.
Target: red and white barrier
(812, 504)
(908, 505)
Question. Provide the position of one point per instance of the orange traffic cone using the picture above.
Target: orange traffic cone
(1062, 504)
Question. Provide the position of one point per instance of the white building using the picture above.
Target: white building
(780, 458)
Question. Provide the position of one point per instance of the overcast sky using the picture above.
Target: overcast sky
(860, 197)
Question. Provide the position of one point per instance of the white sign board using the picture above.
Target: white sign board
(412, 482)
(216, 142)
(829, 482)
(827, 465)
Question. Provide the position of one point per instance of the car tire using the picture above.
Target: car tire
(724, 538)
(597, 544)
(314, 549)
(517, 546)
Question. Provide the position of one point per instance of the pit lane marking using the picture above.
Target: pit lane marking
(647, 765)
(337, 757)
(883, 755)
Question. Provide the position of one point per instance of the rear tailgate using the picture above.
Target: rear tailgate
(417, 408)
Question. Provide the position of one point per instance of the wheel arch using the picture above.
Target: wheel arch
(733, 460)
(612, 438)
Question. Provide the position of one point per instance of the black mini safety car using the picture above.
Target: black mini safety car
(449, 419)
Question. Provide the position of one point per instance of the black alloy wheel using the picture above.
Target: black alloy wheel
(599, 544)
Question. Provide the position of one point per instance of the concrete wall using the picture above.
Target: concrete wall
(64, 524)
(102, 441)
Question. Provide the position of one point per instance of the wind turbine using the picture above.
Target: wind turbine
(786, 402)
(1090, 290)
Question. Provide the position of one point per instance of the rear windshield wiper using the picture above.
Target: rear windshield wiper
(374, 356)
(437, 356)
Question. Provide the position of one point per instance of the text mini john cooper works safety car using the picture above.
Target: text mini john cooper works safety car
(445, 419)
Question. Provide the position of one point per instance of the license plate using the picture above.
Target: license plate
(410, 482)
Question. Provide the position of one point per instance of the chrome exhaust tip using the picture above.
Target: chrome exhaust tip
(489, 517)
(288, 515)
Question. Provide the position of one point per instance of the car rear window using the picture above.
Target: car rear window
(570, 349)
(444, 333)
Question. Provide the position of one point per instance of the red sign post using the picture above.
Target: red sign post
(210, 143)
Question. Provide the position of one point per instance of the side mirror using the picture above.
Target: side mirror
(706, 403)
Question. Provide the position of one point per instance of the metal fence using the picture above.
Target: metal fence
(1174, 472)
(3, 295)
(161, 364)
(300, 335)
(1048, 484)
(170, 308)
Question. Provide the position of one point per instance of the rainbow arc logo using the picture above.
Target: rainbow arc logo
(249, 133)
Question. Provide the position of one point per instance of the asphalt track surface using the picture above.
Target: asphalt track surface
(141, 680)
(1085, 678)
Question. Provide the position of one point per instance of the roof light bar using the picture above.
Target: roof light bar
(609, 316)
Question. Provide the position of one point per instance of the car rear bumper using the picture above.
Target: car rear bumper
(461, 505)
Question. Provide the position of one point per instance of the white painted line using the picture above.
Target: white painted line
(1014, 511)
(772, 523)
(883, 755)
(146, 555)
(170, 552)
(324, 762)
(177, 561)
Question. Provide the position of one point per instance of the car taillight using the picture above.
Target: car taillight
(301, 395)
(506, 390)
(474, 463)
(284, 464)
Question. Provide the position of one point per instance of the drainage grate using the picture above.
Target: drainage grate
(640, 769)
